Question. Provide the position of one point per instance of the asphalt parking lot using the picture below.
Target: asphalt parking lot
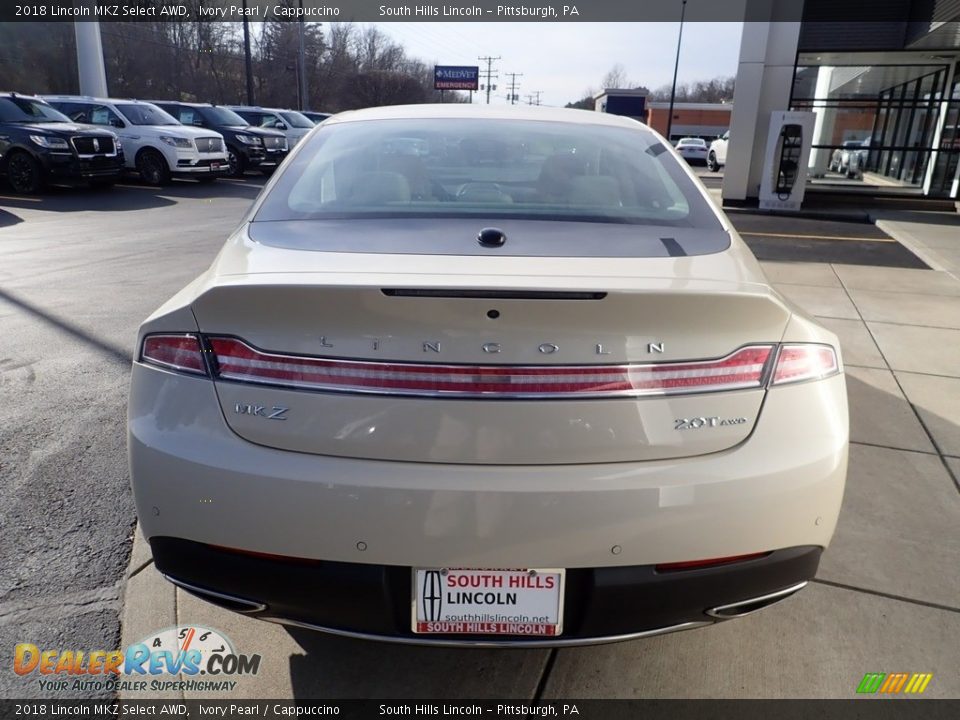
(79, 270)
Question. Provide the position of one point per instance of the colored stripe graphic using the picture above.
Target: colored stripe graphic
(871, 682)
(918, 683)
(893, 683)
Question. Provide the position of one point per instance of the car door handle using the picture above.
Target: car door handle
(130, 137)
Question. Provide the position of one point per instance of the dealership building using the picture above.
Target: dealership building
(690, 119)
(885, 88)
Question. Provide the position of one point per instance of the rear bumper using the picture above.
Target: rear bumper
(373, 601)
(198, 484)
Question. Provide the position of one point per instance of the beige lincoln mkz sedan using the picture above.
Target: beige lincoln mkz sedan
(486, 376)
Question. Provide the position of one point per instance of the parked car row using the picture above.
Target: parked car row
(850, 158)
(78, 139)
(697, 151)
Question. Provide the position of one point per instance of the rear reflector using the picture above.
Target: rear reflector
(176, 352)
(805, 362)
(744, 368)
(711, 562)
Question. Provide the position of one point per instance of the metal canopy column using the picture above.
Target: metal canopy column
(90, 68)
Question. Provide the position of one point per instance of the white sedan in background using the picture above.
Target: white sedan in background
(436, 397)
(693, 150)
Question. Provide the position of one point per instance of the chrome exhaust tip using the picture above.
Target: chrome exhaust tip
(751, 605)
(228, 602)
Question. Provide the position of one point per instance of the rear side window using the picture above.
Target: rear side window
(188, 116)
(102, 115)
(487, 168)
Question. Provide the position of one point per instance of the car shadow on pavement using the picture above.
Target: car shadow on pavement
(8, 218)
(129, 195)
(339, 667)
(113, 353)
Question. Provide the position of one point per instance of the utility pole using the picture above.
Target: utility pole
(676, 65)
(529, 99)
(490, 74)
(513, 86)
(538, 93)
(301, 64)
(246, 55)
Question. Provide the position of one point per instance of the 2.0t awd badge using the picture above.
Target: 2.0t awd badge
(696, 423)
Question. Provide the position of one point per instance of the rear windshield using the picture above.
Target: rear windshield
(487, 168)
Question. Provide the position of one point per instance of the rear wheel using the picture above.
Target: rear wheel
(24, 173)
(152, 167)
(712, 162)
(236, 162)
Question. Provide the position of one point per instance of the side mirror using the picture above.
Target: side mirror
(279, 125)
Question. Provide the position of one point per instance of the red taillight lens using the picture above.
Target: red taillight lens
(710, 562)
(742, 369)
(182, 353)
(805, 362)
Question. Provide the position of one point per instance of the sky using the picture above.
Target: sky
(564, 60)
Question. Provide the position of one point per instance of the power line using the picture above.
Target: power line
(490, 74)
(513, 86)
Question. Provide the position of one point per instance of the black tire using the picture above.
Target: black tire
(712, 163)
(152, 167)
(24, 173)
(237, 162)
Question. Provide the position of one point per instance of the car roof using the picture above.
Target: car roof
(102, 100)
(487, 112)
(184, 103)
(14, 93)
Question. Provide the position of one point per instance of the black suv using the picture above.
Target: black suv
(248, 147)
(40, 145)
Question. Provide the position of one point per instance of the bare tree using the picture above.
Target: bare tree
(717, 90)
(346, 67)
(616, 77)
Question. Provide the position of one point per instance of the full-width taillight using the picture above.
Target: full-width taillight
(181, 352)
(744, 368)
(805, 362)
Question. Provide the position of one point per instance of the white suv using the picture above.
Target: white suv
(156, 145)
(717, 154)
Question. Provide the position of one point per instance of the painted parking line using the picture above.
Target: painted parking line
(819, 237)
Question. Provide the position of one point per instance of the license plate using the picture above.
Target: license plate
(214, 166)
(488, 602)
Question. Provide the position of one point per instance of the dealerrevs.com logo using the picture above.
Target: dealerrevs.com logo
(203, 656)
